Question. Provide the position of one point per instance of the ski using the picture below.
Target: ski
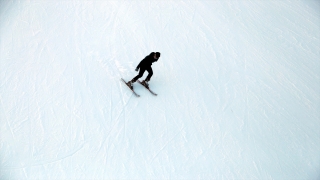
(131, 88)
(148, 88)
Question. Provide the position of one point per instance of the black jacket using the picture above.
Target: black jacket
(147, 61)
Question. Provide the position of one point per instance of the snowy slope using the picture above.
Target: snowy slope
(238, 87)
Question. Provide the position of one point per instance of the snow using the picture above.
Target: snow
(238, 87)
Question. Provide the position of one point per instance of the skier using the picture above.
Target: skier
(145, 65)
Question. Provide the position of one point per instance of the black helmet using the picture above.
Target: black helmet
(157, 54)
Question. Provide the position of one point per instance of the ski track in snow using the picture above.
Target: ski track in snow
(237, 83)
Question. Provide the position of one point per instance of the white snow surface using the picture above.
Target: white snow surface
(238, 86)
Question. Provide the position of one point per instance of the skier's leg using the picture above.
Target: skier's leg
(139, 75)
(149, 69)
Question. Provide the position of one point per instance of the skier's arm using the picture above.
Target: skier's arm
(138, 67)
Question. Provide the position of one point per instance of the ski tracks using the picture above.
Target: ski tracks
(166, 144)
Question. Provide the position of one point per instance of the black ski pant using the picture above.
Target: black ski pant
(142, 70)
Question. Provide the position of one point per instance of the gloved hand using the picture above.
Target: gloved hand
(137, 69)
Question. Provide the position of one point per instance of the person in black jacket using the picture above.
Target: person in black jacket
(145, 65)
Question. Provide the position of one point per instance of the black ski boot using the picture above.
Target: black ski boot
(145, 83)
(129, 83)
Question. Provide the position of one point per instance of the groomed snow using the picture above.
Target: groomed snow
(238, 86)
